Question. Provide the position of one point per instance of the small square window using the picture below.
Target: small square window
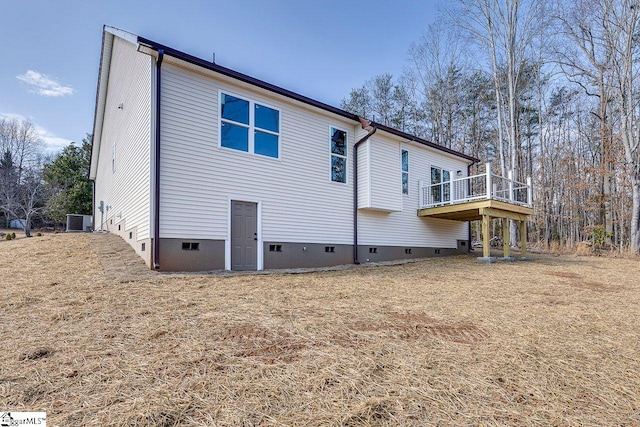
(130, 235)
(143, 247)
(373, 250)
(234, 109)
(338, 169)
(275, 248)
(235, 137)
(190, 246)
(267, 118)
(266, 144)
(407, 251)
(437, 251)
(338, 142)
(330, 249)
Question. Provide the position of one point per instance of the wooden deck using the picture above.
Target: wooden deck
(474, 211)
(486, 210)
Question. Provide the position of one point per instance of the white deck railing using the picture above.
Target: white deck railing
(483, 186)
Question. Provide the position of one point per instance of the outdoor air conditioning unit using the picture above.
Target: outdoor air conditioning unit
(78, 223)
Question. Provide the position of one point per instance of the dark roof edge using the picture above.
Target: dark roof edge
(413, 138)
(289, 94)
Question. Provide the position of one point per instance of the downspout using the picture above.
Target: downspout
(156, 207)
(365, 124)
(93, 202)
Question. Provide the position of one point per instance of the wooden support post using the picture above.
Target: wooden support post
(486, 243)
(506, 238)
(523, 238)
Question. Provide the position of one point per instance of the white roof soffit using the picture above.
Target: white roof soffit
(125, 35)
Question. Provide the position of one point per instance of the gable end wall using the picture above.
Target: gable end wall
(126, 191)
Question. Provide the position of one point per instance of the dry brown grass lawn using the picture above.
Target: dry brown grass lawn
(93, 338)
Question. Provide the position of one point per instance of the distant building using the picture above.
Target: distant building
(18, 223)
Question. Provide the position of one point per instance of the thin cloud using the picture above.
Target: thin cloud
(52, 144)
(44, 85)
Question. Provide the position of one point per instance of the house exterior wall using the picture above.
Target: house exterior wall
(304, 218)
(364, 174)
(298, 200)
(404, 228)
(379, 178)
(125, 191)
(299, 203)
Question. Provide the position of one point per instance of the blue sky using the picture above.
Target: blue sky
(50, 50)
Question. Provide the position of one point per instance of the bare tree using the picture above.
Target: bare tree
(27, 198)
(585, 57)
(411, 117)
(599, 53)
(621, 30)
(505, 31)
(439, 62)
(21, 139)
(358, 102)
(21, 190)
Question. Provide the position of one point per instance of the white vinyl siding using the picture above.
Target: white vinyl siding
(405, 228)
(299, 203)
(380, 179)
(364, 195)
(123, 169)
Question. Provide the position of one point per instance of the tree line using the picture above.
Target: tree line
(36, 189)
(544, 88)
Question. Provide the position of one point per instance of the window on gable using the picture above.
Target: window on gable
(338, 155)
(405, 172)
(113, 158)
(249, 126)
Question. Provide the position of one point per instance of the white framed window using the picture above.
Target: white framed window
(405, 171)
(440, 185)
(249, 126)
(339, 149)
